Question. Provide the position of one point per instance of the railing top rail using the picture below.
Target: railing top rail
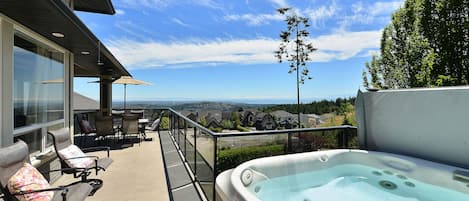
(253, 133)
(192, 122)
(285, 131)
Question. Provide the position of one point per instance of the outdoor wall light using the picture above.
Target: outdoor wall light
(58, 34)
(85, 53)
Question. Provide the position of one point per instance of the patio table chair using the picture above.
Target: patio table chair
(130, 126)
(85, 129)
(71, 156)
(18, 174)
(105, 127)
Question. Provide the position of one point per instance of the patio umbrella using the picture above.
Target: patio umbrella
(125, 80)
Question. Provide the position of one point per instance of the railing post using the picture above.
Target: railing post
(170, 118)
(185, 139)
(289, 143)
(177, 130)
(215, 167)
(195, 153)
(345, 137)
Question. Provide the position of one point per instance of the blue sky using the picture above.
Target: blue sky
(223, 50)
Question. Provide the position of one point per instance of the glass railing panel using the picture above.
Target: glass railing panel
(182, 136)
(205, 152)
(190, 147)
(352, 139)
(233, 151)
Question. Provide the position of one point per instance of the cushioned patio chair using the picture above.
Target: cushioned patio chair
(19, 178)
(71, 156)
(86, 130)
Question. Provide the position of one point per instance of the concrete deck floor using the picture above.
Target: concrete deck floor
(137, 174)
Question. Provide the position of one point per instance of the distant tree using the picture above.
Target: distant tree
(295, 49)
(227, 124)
(203, 121)
(425, 45)
(340, 105)
(164, 125)
(236, 120)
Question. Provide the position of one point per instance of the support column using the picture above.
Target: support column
(6, 83)
(105, 94)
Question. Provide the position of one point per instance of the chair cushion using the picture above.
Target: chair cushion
(72, 152)
(155, 124)
(28, 178)
(86, 127)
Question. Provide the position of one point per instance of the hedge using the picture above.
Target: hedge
(231, 158)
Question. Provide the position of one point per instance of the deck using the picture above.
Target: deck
(136, 174)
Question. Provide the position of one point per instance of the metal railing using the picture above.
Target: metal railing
(208, 153)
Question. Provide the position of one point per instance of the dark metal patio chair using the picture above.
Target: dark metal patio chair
(105, 127)
(13, 158)
(61, 139)
(130, 126)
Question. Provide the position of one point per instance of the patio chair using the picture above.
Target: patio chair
(71, 156)
(130, 126)
(15, 165)
(117, 118)
(138, 113)
(86, 130)
(104, 127)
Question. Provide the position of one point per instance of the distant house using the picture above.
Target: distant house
(265, 121)
(210, 114)
(285, 119)
(248, 118)
(213, 123)
(192, 116)
(310, 120)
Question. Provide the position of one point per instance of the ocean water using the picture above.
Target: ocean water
(351, 182)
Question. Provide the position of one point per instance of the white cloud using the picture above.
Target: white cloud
(155, 4)
(120, 12)
(369, 14)
(178, 21)
(317, 15)
(380, 8)
(160, 4)
(208, 3)
(255, 20)
(280, 3)
(134, 54)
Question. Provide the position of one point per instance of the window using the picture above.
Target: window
(38, 88)
(38, 91)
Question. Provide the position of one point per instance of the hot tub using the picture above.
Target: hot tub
(343, 175)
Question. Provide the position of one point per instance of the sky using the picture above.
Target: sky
(213, 50)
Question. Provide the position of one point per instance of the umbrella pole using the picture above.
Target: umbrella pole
(125, 90)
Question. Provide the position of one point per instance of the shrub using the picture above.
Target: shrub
(164, 125)
(230, 158)
(227, 124)
(216, 130)
(242, 129)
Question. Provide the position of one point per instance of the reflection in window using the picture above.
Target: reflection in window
(38, 88)
(33, 139)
